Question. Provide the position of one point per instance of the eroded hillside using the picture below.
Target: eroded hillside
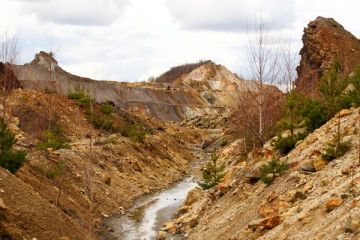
(315, 199)
(78, 185)
(203, 90)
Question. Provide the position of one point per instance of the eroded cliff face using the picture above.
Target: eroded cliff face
(325, 40)
(206, 89)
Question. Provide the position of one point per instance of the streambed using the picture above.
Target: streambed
(147, 216)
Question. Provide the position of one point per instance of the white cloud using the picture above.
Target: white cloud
(232, 15)
(76, 12)
(130, 40)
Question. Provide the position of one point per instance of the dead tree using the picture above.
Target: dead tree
(256, 108)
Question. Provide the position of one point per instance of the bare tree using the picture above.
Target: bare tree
(8, 57)
(263, 60)
(257, 108)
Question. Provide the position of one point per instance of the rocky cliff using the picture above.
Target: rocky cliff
(324, 40)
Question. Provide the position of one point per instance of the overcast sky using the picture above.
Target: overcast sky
(130, 40)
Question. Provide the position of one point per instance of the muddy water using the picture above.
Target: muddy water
(148, 216)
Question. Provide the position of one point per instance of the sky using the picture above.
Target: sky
(131, 40)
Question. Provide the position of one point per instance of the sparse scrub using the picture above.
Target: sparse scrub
(272, 170)
(336, 148)
(332, 151)
(80, 96)
(53, 139)
(53, 171)
(135, 131)
(100, 120)
(213, 173)
(102, 116)
(9, 159)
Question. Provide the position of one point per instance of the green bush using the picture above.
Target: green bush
(315, 114)
(54, 139)
(272, 170)
(285, 144)
(9, 159)
(212, 173)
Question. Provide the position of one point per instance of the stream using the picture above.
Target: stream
(147, 217)
(149, 213)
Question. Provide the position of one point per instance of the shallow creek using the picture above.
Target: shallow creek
(149, 213)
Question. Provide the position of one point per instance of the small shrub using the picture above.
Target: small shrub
(271, 170)
(213, 173)
(106, 108)
(54, 139)
(285, 144)
(332, 152)
(9, 159)
(12, 160)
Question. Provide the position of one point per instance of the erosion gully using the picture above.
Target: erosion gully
(149, 213)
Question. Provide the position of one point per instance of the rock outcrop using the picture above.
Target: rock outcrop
(325, 40)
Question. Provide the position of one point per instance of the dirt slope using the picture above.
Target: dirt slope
(86, 188)
(295, 206)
